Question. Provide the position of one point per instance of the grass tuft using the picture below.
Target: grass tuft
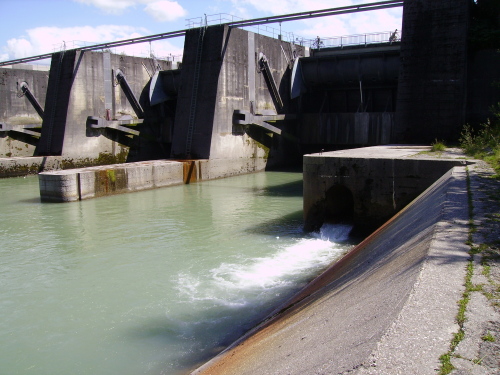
(438, 146)
(446, 366)
(488, 337)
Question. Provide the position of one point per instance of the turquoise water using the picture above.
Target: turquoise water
(152, 282)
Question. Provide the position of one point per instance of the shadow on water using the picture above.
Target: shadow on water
(290, 224)
(290, 189)
(30, 200)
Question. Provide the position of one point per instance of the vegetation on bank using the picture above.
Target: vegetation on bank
(484, 142)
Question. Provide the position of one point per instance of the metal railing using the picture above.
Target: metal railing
(226, 18)
(102, 46)
(353, 40)
(337, 41)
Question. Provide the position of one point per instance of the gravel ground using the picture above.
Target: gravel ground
(479, 350)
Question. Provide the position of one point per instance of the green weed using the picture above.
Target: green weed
(488, 337)
(484, 142)
(438, 146)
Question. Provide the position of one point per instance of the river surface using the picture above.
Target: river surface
(151, 282)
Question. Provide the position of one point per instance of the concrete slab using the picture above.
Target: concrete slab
(377, 152)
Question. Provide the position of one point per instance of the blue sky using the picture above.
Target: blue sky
(33, 27)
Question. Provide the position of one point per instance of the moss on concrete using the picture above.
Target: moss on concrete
(18, 170)
(104, 158)
(26, 168)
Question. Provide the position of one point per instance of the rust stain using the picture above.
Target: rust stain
(189, 171)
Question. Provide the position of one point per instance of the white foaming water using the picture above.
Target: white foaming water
(334, 232)
(260, 281)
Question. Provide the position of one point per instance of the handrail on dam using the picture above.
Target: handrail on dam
(354, 40)
(239, 23)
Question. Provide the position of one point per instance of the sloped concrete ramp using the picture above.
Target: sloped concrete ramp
(387, 307)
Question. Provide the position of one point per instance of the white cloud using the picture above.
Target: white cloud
(42, 40)
(110, 6)
(19, 48)
(160, 10)
(164, 10)
(277, 7)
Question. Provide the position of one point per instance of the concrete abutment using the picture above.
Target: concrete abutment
(378, 181)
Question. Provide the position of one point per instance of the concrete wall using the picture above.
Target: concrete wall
(483, 89)
(378, 181)
(82, 84)
(15, 110)
(432, 82)
(348, 96)
(326, 129)
(229, 80)
(243, 87)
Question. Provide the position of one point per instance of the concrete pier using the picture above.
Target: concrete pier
(69, 185)
(84, 183)
(367, 186)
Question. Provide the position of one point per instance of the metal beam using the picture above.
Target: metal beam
(27, 59)
(126, 42)
(119, 43)
(256, 21)
(319, 13)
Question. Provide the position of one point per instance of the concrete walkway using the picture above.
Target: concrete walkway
(388, 307)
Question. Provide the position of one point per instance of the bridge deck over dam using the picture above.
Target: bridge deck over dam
(387, 307)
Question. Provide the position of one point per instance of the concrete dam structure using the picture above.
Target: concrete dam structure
(247, 102)
(121, 108)
(242, 102)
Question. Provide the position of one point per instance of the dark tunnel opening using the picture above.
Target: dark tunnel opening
(339, 205)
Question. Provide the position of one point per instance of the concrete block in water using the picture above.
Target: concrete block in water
(139, 177)
(85, 183)
(58, 186)
(165, 174)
